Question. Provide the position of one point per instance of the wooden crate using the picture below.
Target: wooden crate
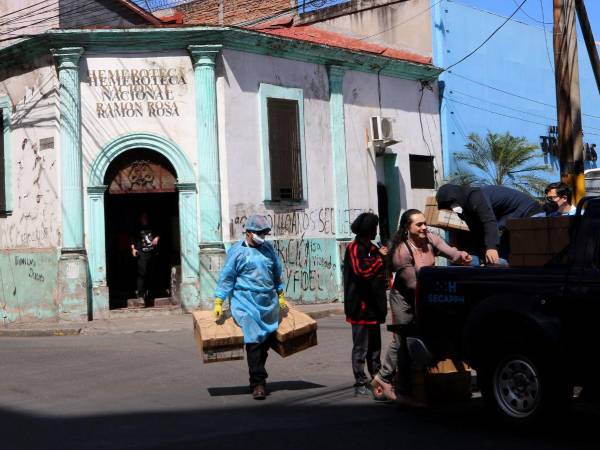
(297, 331)
(217, 340)
(442, 218)
(536, 241)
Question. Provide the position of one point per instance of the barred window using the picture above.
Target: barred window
(284, 149)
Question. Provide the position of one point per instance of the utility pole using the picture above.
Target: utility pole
(588, 36)
(568, 104)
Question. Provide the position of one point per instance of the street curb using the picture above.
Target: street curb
(40, 332)
(83, 330)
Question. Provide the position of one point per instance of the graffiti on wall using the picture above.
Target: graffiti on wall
(309, 268)
(34, 222)
(28, 285)
(297, 221)
(305, 240)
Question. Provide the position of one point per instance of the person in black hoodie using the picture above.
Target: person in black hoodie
(365, 302)
(486, 210)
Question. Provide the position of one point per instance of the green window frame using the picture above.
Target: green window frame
(271, 96)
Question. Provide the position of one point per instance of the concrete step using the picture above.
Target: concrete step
(169, 310)
(152, 303)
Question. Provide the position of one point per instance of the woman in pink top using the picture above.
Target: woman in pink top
(412, 247)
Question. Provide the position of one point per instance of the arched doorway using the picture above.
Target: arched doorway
(141, 182)
(188, 282)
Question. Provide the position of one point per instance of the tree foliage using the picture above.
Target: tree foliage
(500, 159)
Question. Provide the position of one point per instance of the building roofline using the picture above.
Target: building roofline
(169, 37)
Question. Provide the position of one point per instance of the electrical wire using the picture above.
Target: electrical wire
(546, 36)
(468, 55)
(509, 116)
(98, 9)
(533, 18)
(402, 23)
(512, 108)
(513, 94)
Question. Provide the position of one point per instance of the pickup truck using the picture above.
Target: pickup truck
(529, 332)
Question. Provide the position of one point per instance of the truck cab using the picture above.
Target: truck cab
(530, 332)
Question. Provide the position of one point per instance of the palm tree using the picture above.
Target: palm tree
(500, 159)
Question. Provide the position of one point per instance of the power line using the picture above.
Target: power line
(546, 36)
(508, 116)
(488, 38)
(512, 93)
(510, 107)
(24, 9)
(67, 14)
(533, 18)
(402, 23)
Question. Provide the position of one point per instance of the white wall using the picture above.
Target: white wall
(399, 102)
(402, 25)
(35, 221)
(98, 131)
(239, 128)
(241, 164)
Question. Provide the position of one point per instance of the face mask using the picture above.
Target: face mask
(457, 209)
(258, 240)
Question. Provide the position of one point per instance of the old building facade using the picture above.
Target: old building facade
(199, 127)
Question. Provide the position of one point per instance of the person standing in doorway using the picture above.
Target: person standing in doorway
(144, 248)
(253, 280)
(364, 298)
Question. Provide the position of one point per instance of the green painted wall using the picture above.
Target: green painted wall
(309, 269)
(28, 285)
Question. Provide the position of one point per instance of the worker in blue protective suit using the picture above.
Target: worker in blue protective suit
(253, 280)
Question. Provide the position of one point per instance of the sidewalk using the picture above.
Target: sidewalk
(142, 320)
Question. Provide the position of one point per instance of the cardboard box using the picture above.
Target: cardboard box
(448, 381)
(537, 241)
(218, 340)
(442, 218)
(297, 331)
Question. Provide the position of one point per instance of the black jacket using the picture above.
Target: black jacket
(364, 283)
(486, 210)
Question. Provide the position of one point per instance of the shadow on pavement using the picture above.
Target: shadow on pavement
(271, 387)
(280, 424)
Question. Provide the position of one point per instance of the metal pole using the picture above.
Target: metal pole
(568, 105)
(588, 36)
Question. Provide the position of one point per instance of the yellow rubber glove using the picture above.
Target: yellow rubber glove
(218, 308)
(282, 303)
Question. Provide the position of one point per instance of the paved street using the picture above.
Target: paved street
(150, 391)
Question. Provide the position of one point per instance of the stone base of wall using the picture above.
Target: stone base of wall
(28, 285)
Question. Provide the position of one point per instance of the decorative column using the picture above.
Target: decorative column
(100, 298)
(212, 252)
(188, 287)
(72, 267)
(340, 169)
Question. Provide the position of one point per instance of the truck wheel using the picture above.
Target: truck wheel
(521, 388)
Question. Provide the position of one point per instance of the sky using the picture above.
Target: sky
(532, 11)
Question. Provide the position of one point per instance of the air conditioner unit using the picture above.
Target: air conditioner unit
(381, 134)
(381, 128)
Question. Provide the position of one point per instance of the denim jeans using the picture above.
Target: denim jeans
(397, 360)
